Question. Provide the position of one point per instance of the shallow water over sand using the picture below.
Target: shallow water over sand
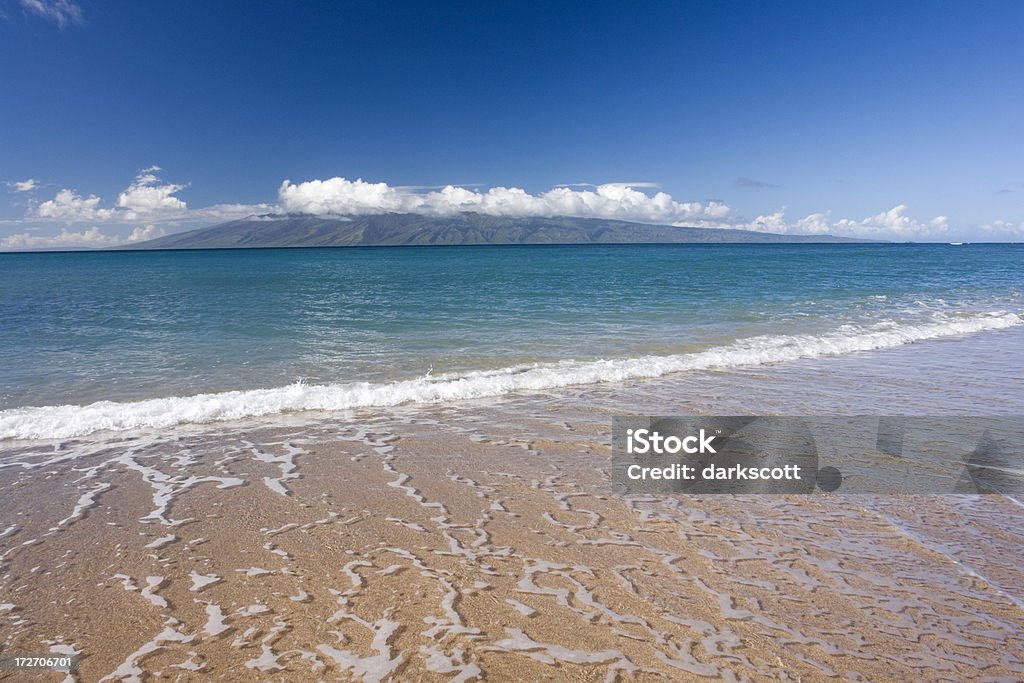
(481, 539)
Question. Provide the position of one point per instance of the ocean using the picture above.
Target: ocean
(131, 339)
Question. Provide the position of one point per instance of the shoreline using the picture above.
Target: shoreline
(482, 539)
(738, 357)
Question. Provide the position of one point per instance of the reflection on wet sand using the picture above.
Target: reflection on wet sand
(483, 541)
(453, 546)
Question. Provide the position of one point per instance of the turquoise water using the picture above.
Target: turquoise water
(371, 326)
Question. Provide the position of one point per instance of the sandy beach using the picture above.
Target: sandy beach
(482, 541)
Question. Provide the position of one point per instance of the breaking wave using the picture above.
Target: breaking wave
(67, 421)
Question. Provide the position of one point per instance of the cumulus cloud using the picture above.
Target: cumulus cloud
(340, 196)
(148, 200)
(93, 238)
(773, 222)
(70, 206)
(891, 224)
(144, 199)
(143, 233)
(23, 185)
(62, 12)
(146, 196)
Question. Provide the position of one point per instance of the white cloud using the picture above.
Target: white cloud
(23, 185)
(70, 206)
(144, 199)
(814, 224)
(639, 184)
(1004, 230)
(612, 200)
(143, 233)
(149, 200)
(228, 212)
(61, 11)
(773, 222)
(145, 196)
(92, 238)
(891, 224)
(66, 239)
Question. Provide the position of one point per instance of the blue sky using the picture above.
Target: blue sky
(124, 120)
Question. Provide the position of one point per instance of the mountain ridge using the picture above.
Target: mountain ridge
(395, 229)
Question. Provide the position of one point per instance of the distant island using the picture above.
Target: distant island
(275, 230)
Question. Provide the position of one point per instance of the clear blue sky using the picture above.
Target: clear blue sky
(843, 109)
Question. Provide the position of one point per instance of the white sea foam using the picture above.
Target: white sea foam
(149, 592)
(162, 541)
(131, 670)
(215, 624)
(68, 421)
(201, 581)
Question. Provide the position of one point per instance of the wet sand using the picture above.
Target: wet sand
(482, 541)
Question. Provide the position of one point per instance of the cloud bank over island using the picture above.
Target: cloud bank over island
(618, 201)
(891, 224)
(149, 207)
